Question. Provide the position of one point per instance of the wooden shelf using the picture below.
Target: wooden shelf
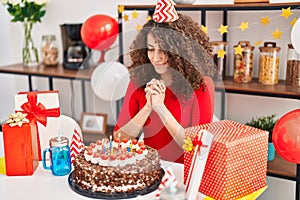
(281, 89)
(55, 72)
(282, 168)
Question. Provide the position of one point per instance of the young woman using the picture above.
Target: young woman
(170, 88)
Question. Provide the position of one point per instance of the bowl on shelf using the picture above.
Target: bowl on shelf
(184, 1)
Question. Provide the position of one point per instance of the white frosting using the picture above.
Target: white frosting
(87, 157)
(140, 156)
(115, 188)
(115, 144)
(135, 146)
(95, 160)
(145, 152)
(99, 147)
(104, 162)
(132, 160)
(94, 149)
(125, 145)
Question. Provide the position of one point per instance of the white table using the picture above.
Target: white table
(42, 185)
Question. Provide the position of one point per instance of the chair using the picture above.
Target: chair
(67, 126)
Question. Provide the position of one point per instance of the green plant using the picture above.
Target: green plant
(266, 123)
(26, 10)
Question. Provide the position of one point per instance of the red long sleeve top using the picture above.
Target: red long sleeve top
(198, 110)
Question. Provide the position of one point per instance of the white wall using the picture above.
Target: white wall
(240, 108)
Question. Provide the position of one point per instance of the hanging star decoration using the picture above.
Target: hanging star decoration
(292, 23)
(204, 29)
(244, 26)
(223, 29)
(135, 14)
(264, 20)
(121, 8)
(126, 18)
(286, 12)
(276, 34)
(138, 27)
(188, 144)
(221, 53)
(238, 50)
(148, 18)
(258, 43)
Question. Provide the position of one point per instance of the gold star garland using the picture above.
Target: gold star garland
(265, 20)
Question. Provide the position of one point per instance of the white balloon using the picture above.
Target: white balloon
(295, 36)
(109, 81)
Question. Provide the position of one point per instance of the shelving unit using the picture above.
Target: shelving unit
(278, 167)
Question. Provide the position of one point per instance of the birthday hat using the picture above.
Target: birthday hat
(165, 11)
(76, 145)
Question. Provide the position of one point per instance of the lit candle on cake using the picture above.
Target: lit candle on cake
(110, 142)
(130, 145)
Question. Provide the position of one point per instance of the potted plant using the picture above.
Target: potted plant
(266, 123)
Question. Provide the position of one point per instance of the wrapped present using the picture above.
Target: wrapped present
(20, 148)
(237, 161)
(252, 196)
(42, 108)
(198, 163)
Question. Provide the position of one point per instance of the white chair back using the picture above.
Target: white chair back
(67, 126)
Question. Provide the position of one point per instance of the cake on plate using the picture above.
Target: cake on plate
(112, 167)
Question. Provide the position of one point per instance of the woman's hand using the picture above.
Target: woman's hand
(155, 93)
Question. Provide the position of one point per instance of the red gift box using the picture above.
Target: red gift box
(42, 108)
(21, 149)
(237, 161)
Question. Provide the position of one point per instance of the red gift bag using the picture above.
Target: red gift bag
(237, 161)
(21, 149)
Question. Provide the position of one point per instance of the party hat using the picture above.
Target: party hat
(76, 145)
(165, 11)
(167, 180)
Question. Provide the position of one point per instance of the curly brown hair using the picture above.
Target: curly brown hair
(189, 54)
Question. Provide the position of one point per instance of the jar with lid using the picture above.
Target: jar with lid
(268, 64)
(173, 192)
(293, 67)
(219, 59)
(49, 50)
(59, 155)
(243, 63)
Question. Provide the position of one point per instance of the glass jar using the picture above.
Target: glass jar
(173, 192)
(268, 64)
(243, 64)
(293, 67)
(59, 155)
(49, 50)
(219, 61)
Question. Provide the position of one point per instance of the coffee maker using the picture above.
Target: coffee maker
(74, 50)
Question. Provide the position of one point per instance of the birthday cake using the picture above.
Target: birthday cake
(120, 167)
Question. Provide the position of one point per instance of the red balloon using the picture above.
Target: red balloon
(286, 136)
(99, 32)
